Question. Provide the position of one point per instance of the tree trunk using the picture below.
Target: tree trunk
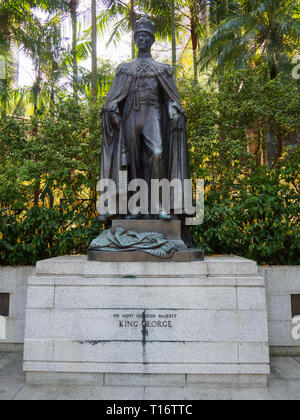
(52, 88)
(173, 26)
(17, 67)
(37, 90)
(35, 131)
(271, 148)
(36, 194)
(194, 43)
(5, 88)
(6, 81)
(255, 145)
(94, 51)
(272, 143)
(73, 12)
(132, 24)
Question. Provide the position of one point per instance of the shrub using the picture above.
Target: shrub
(39, 233)
(259, 221)
(250, 210)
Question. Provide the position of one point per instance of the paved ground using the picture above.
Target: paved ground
(284, 384)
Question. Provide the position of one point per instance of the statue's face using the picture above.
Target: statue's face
(144, 41)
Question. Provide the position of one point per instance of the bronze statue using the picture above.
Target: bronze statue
(143, 121)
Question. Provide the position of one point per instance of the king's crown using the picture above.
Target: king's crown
(144, 24)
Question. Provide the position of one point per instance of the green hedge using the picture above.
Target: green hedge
(39, 233)
(250, 210)
(260, 222)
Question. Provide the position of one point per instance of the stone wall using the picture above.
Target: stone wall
(13, 280)
(281, 284)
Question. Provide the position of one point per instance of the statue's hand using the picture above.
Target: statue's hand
(115, 120)
(174, 115)
(173, 111)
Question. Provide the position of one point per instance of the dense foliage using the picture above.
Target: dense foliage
(42, 232)
(250, 210)
(59, 150)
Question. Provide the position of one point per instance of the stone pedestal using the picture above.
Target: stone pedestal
(146, 324)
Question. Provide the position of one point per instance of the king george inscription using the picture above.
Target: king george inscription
(144, 320)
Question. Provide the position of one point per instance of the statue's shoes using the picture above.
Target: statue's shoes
(164, 216)
(133, 217)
